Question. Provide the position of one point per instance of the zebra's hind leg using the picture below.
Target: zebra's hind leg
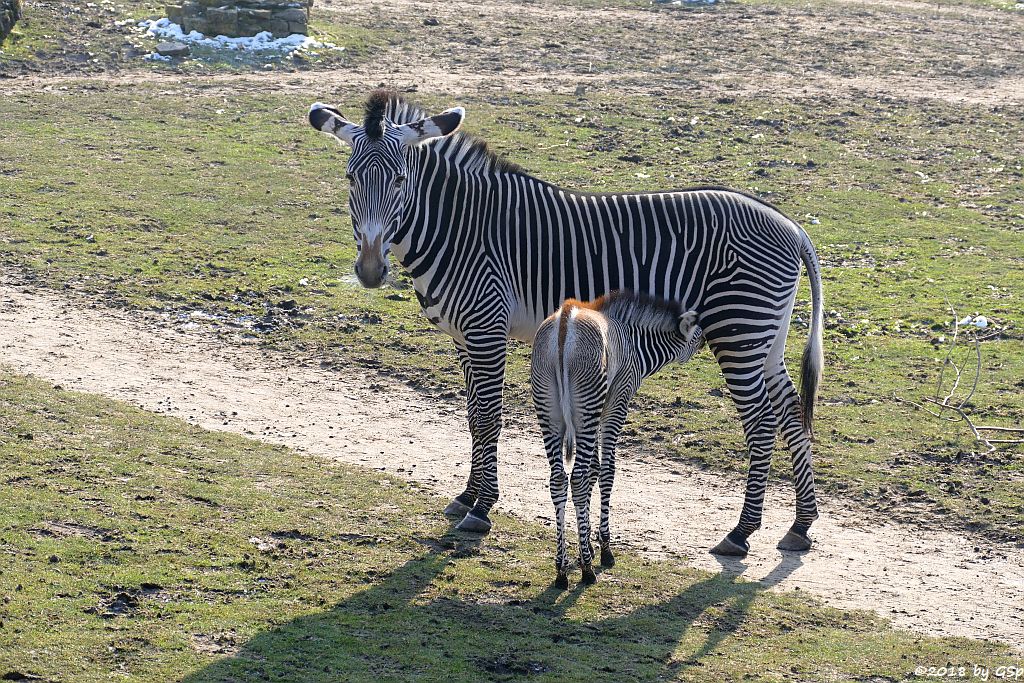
(611, 426)
(751, 398)
(559, 487)
(586, 460)
(786, 403)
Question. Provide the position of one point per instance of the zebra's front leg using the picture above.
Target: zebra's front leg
(759, 423)
(485, 378)
(465, 501)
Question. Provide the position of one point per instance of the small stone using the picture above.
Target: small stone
(173, 49)
(431, 21)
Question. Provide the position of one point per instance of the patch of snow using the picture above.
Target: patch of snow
(152, 56)
(979, 321)
(261, 42)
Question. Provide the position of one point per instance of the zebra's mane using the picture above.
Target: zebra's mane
(472, 152)
(639, 310)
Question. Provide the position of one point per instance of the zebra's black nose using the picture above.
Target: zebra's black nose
(371, 280)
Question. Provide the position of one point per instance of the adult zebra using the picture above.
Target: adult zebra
(493, 251)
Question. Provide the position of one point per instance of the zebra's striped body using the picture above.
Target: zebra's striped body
(493, 251)
(588, 361)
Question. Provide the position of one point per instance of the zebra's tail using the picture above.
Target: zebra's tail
(565, 387)
(813, 360)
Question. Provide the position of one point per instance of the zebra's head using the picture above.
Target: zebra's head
(377, 172)
(692, 333)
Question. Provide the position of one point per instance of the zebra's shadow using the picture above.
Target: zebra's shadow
(400, 629)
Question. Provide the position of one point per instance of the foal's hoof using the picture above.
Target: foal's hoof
(607, 559)
(589, 577)
(457, 508)
(731, 548)
(795, 541)
(474, 524)
(562, 581)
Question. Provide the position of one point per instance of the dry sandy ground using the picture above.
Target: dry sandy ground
(933, 582)
(900, 49)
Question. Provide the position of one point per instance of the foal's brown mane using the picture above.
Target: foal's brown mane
(632, 308)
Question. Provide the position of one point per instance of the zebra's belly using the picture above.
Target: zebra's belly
(523, 324)
(433, 314)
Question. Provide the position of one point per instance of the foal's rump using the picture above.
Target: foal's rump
(569, 374)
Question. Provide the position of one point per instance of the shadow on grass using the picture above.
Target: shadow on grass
(393, 631)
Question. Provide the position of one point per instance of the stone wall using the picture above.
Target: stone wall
(10, 12)
(241, 17)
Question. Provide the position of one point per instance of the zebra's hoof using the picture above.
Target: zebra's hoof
(457, 508)
(589, 577)
(731, 548)
(607, 559)
(474, 524)
(562, 581)
(795, 541)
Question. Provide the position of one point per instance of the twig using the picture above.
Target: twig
(948, 403)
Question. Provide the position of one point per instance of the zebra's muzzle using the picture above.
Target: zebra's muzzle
(372, 264)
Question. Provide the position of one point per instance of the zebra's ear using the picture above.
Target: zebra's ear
(687, 323)
(329, 120)
(445, 123)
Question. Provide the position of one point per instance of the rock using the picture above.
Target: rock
(291, 14)
(241, 17)
(194, 23)
(431, 21)
(262, 15)
(222, 21)
(173, 49)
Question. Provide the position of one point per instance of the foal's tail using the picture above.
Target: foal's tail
(565, 386)
(813, 359)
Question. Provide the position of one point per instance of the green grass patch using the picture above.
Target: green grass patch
(139, 547)
(221, 205)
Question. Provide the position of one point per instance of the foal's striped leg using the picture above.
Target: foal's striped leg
(611, 426)
(586, 460)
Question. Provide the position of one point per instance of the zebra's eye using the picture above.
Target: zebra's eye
(399, 180)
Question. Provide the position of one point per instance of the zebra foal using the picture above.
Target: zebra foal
(588, 361)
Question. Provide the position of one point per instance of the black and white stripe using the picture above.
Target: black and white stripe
(493, 251)
(588, 361)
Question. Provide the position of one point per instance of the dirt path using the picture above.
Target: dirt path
(933, 582)
(899, 49)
